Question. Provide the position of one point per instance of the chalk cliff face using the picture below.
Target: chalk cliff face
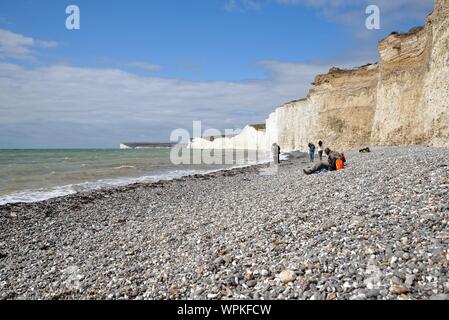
(249, 139)
(338, 110)
(413, 90)
(282, 125)
(403, 99)
(400, 90)
(436, 82)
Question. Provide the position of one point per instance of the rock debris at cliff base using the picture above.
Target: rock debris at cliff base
(377, 230)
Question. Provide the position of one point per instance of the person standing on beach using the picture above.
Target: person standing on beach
(276, 150)
(320, 150)
(312, 152)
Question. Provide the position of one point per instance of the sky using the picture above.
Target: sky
(138, 69)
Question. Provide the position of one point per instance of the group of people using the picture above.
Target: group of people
(335, 160)
(312, 149)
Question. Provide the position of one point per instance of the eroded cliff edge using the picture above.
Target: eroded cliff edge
(403, 99)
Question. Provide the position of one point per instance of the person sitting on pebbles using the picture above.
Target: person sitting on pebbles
(331, 165)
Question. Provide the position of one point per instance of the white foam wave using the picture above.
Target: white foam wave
(125, 167)
(60, 191)
(37, 195)
(55, 192)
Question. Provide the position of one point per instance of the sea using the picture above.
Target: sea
(37, 175)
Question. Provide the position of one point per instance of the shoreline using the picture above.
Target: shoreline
(113, 184)
(376, 230)
(127, 187)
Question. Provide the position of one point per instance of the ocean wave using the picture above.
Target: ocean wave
(60, 191)
(37, 195)
(124, 167)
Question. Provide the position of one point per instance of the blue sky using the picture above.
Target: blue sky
(138, 69)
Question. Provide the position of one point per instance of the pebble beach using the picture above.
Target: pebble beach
(377, 230)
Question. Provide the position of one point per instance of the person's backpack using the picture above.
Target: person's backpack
(340, 164)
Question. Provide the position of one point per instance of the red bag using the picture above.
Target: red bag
(340, 164)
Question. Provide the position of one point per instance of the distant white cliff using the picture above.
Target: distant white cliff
(249, 139)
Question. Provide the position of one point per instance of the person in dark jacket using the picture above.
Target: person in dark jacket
(331, 165)
(312, 152)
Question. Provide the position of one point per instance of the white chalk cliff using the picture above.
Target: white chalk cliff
(403, 99)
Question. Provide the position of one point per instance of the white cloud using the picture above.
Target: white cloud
(17, 46)
(70, 106)
(143, 65)
(65, 106)
(242, 5)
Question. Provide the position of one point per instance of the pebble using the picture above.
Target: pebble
(446, 287)
(265, 273)
(409, 280)
(12, 215)
(396, 289)
(287, 276)
(440, 297)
